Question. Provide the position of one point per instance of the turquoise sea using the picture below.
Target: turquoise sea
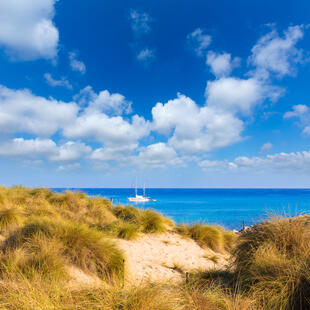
(226, 207)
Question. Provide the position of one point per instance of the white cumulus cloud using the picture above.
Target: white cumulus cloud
(221, 64)
(277, 55)
(157, 155)
(70, 151)
(115, 153)
(27, 148)
(21, 111)
(239, 95)
(46, 148)
(195, 129)
(104, 101)
(27, 31)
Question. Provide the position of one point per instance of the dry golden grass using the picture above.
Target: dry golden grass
(213, 237)
(9, 218)
(46, 232)
(80, 245)
(272, 260)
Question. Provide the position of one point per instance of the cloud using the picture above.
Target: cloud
(221, 64)
(21, 111)
(94, 116)
(146, 56)
(76, 65)
(195, 129)
(70, 151)
(302, 113)
(158, 155)
(140, 22)
(199, 41)
(113, 104)
(27, 31)
(266, 147)
(279, 162)
(96, 120)
(216, 165)
(219, 123)
(27, 148)
(47, 148)
(239, 95)
(114, 153)
(107, 130)
(54, 83)
(277, 55)
(69, 167)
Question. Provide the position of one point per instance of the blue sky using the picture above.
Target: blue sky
(172, 93)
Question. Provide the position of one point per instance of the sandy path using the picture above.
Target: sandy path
(153, 257)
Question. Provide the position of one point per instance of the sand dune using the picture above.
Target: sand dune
(166, 257)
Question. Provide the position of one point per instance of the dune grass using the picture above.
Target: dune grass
(133, 220)
(152, 222)
(9, 217)
(213, 237)
(122, 230)
(80, 245)
(44, 233)
(272, 259)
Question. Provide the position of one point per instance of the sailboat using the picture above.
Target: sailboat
(139, 198)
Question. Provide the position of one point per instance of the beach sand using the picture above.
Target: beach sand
(166, 257)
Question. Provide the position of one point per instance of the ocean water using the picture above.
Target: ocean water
(226, 207)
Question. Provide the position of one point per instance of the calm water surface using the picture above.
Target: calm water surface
(227, 207)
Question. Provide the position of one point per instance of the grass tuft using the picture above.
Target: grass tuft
(85, 247)
(272, 260)
(152, 222)
(9, 217)
(205, 235)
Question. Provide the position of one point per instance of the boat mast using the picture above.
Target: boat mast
(144, 190)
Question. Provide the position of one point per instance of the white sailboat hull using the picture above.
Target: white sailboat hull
(139, 198)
